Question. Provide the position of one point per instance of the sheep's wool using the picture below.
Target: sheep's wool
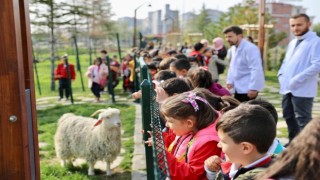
(77, 137)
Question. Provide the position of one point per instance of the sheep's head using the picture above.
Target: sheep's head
(111, 116)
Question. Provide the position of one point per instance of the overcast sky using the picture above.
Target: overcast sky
(123, 8)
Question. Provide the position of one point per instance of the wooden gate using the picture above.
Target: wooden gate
(19, 154)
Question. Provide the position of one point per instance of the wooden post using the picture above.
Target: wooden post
(19, 151)
(261, 30)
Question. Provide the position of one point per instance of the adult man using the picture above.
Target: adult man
(298, 75)
(245, 74)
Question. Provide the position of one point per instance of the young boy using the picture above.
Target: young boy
(276, 147)
(180, 67)
(245, 133)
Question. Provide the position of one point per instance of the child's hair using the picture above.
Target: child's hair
(180, 56)
(193, 59)
(172, 52)
(165, 63)
(98, 59)
(200, 77)
(182, 106)
(164, 75)
(181, 64)
(249, 123)
(175, 86)
(103, 51)
(207, 49)
(301, 159)
(267, 105)
(153, 65)
(230, 102)
(222, 104)
(198, 46)
(157, 59)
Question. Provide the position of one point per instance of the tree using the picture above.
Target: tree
(316, 28)
(53, 15)
(202, 20)
(101, 23)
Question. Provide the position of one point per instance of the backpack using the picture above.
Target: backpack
(220, 68)
(222, 53)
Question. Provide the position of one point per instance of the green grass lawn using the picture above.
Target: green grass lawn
(50, 165)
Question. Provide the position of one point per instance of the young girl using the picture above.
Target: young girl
(201, 78)
(192, 119)
(96, 75)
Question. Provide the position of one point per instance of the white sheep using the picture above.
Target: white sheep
(88, 138)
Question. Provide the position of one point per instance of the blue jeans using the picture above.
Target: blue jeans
(297, 111)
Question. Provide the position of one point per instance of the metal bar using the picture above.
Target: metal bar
(146, 121)
(78, 60)
(119, 47)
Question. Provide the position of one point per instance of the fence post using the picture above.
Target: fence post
(110, 80)
(146, 121)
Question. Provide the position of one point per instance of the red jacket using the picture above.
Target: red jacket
(61, 72)
(204, 145)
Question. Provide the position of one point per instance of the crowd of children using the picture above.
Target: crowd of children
(207, 133)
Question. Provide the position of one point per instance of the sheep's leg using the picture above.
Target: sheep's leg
(108, 169)
(91, 168)
(63, 162)
(66, 162)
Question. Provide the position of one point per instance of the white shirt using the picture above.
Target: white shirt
(300, 68)
(246, 71)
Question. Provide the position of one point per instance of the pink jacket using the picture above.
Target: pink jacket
(204, 145)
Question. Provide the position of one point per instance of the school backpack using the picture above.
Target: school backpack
(222, 53)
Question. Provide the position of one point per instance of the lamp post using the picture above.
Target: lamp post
(135, 24)
(261, 27)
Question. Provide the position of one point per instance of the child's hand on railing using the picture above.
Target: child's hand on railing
(213, 163)
(149, 141)
(137, 95)
(161, 94)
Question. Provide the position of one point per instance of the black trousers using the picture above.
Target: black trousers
(241, 97)
(95, 89)
(64, 86)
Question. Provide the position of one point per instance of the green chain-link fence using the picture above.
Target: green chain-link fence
(156, 160)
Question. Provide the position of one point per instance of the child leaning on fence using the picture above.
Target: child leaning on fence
(192, 119)
(245, 133)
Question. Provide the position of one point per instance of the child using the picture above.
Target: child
(171, 87)
(301, 159)
(193, 61)
(180, 67)
(276, 147)
(221, 104)
(202, 78)
(152, 66)
(165, 63)
(61, 74)
(245, 133)
(96, 75)
(192, 119)
(164, 90)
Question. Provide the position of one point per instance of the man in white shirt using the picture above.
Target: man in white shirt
(298, 75)
(245, 73)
